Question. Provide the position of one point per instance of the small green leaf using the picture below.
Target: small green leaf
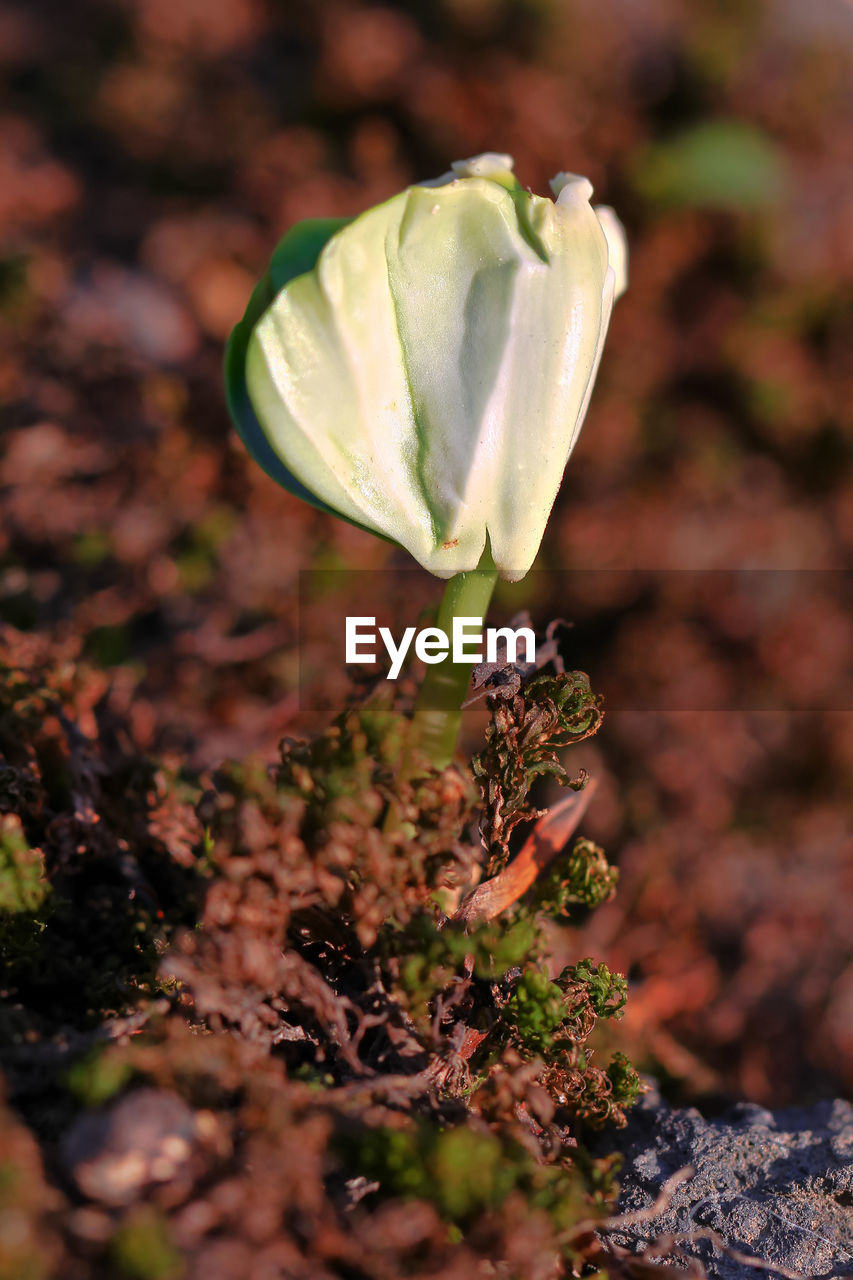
(723, 164)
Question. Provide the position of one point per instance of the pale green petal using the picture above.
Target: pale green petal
(453, 278)
(326, 376)
(617, 246)
(575, 186)
(559, 319)
(491, 164)
(571, 186)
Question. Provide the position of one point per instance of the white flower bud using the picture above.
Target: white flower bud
(427, 378)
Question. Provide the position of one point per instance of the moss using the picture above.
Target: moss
(143, 1249)
(535, 1010)
(347, 1051)
(97, 1077)
(528, 729)
(581, 878)
(24, 887)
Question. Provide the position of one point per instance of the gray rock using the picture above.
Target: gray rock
(774, 1185)
(146, 1137)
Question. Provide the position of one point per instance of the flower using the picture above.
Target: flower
(423, 370)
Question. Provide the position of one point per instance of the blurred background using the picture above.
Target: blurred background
(151, 154)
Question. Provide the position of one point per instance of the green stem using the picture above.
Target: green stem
(438, 712)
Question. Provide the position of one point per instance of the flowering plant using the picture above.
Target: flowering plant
(423, 371)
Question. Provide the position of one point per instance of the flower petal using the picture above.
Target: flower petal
(617, 246)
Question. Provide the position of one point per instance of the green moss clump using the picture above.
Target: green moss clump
(143, 1249)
